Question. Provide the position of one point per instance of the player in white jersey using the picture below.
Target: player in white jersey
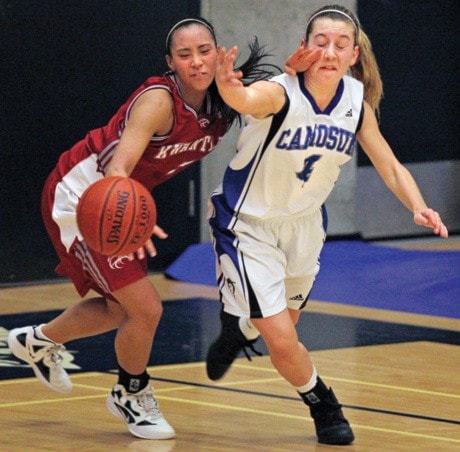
(267, 218)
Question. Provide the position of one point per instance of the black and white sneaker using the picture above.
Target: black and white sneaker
(141, 412)
(227, 346)
(330, 423)
(42, 355)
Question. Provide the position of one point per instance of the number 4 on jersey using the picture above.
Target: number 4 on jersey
(308, 164)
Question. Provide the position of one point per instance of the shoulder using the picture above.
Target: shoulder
(158, 101)
(153, 102)
(285, 80)
(353, 84)
(160, 85)
(155, 87)
(370, 125)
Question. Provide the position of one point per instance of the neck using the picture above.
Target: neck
(194, 99)
(323, 94)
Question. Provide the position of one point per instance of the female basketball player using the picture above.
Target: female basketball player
(167, 124)
(267, 218)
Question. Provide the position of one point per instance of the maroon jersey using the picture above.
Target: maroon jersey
(192, 137)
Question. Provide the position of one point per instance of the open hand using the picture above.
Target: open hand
(226, 76)
(301, 59)
(148, 245)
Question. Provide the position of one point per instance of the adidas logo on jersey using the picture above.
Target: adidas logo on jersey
(349, 113)
(298, 297)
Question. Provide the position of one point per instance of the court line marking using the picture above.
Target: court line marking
(159, 392)
(358, 382)
(253, 367)
(231, 408)
(293, 416)
(226, 386)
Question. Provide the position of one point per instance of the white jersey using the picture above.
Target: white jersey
(288, 163)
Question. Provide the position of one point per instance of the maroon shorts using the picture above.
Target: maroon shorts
(86, 268)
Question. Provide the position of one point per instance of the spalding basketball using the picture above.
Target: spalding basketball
(116, 216)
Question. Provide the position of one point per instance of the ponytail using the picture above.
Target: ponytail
(366, 70)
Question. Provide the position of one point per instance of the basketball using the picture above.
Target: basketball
(116, 216)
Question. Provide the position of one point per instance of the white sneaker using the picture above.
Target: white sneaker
(140, 411)
(42, 355)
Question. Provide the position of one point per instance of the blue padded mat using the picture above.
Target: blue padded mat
(361, 274)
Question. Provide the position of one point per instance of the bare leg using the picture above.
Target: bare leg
(87, 318)
(134, 339)
(287, 354)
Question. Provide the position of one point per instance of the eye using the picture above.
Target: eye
(205, 50)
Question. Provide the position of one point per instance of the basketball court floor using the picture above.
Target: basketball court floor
(396, 374)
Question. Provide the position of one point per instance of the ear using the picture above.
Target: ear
(355, 56)
(169, 62)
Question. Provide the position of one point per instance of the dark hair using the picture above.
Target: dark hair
(185, 23)
(253, 69)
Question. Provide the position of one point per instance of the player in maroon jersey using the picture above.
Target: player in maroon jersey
(167, 124)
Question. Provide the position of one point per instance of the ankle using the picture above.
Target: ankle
(132, 383)
(311, 383)
(318, 394)
(39, 334)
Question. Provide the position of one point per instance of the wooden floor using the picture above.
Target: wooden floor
(397, 396)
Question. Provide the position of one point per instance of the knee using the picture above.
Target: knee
(150, 312)
(283, 347)
(146, 314)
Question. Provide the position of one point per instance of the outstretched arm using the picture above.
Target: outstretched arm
(395, 175)
(259, 99)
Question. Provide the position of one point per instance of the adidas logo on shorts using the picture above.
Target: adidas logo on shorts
(298, 297)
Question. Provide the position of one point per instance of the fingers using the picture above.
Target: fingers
(226, 76)
(227, 58)
(159, 232)
(150, 247)
(431, 219)
(288, 70)
(301, 60)
(439, 227)
(140, 253)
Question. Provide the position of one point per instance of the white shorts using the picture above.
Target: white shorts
(264, 266)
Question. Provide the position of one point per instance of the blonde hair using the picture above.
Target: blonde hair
(365, 69)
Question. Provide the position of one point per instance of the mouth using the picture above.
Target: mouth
(199, 74)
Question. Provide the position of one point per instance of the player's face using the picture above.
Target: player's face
(336, 39)
(193, 57)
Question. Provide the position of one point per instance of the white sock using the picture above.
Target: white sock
(39, 333)
(310, 385)
(249, 331)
